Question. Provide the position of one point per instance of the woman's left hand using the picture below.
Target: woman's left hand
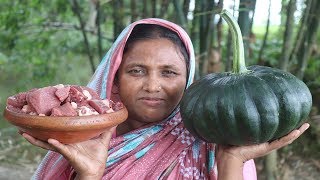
(231, 159)
(244, 153)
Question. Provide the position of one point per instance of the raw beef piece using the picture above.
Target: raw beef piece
(28, 109)
(61, 100)
(76, 95)
(88, 92)
(62, 93)
(43, 100)
(18, 100)
(14, 109)
(86, 111)
(64, 110)
(102, 106)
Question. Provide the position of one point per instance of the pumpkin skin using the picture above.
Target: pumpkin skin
(243, 109)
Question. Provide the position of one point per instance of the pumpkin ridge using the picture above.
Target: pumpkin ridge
(200, 125)
(189, 108)
(282, 89)
(267, 128)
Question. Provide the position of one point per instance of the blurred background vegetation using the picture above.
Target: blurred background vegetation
(50, 42)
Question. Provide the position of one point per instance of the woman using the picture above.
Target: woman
(148, 68)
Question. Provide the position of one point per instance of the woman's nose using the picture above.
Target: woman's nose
(152, 84)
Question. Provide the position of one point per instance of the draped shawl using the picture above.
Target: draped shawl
(165, 150)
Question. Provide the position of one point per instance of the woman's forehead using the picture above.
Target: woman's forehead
(154, 51)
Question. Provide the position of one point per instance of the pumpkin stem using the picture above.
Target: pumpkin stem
(239, 65)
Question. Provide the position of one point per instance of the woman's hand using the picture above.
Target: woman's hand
(230, 159)
(88, 158)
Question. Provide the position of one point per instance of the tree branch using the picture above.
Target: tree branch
(75, 9)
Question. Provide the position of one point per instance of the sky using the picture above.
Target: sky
(261, 13)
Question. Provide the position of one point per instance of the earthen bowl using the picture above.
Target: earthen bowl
(67, 130)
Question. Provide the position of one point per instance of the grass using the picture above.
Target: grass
(261, 30)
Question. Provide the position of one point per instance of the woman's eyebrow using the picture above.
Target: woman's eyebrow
(171, 66)
(135, 65)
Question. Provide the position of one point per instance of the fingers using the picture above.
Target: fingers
(61, 148)
(37, 142)
(288, 139)
(106, 136)
(304, 127)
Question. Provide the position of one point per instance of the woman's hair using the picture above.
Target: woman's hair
(153, 31)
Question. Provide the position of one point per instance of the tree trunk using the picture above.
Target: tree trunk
(154, 8)
(194, 31)
(134, 13)
(271, 165)
(264, 42)
(309, 39)
(164, 8)
(145, 9)
(245, 7)
(186, 4)
(219, 26)
(210, 38)
(117, 18)
(180, 14)
(76, 11)
(99, 35)
(253, 10)
(206, 31)
(271, 159)
(287, 37)
(91, 23)
(229, 57)
(302, 31)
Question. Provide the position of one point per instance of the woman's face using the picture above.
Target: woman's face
(152, 79)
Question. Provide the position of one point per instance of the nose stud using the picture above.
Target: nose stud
(159, 87)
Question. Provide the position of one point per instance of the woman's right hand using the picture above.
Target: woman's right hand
(88, 158)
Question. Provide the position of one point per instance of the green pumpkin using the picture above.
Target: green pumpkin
(247, 106)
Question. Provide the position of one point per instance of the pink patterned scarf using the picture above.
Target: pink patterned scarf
(162, 151)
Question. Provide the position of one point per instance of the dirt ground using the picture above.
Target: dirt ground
(294, 168)
(14, 172)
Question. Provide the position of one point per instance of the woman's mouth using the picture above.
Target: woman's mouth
(153, 102)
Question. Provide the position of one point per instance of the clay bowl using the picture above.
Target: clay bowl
(67, 130)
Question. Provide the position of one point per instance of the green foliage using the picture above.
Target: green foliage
(271, 55)
(41, 44)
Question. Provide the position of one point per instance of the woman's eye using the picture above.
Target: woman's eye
(136, 71)
(169, 73)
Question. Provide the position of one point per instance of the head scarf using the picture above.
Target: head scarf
(165, 150)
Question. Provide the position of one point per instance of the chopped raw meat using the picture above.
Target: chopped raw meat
(64, 110)
(62, 93)
(18, 100)
(61, 100)
(87, 94)
(74, 105)
(102, 106)
(27, 109)
(86, 111)
(43, 100)
(76, 95)
(14, 109)
(93, 93)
